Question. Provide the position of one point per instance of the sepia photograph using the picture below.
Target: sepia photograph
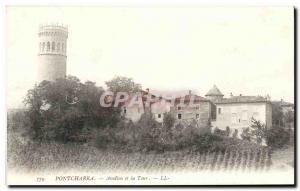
(150, 95)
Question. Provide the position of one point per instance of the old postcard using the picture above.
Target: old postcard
(150, 95)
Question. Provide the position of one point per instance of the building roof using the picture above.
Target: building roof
(214, 91)
(188, 98)
(143, 95)
(243, 99)
(283, 103)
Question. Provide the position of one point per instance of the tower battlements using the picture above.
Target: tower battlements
(53, 29)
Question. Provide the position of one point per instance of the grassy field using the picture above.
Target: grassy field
(283, 159)
(30, 156)
(26, 155)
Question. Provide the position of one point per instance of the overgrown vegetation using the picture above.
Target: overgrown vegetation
(67, 112)
(275, 137)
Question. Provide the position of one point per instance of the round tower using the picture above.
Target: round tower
(52, 52)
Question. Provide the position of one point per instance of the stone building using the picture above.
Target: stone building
(159, 108)
(52, 52)
(194, 108)
(214, 94)
(185, 109)
(237, 112)
(133, 108)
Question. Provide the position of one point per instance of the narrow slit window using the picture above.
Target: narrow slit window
(53, 46)
(48, 46)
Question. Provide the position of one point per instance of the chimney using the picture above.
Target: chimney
(147, 90)
(190, 92)
(281, 100)
(231, 95)
(240, 94)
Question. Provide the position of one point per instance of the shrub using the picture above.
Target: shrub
(149, 134)
(221, 132)
(277, 137)
(110, 138)
(55, 114)
(246, 135)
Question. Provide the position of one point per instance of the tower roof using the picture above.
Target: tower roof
(214, 91)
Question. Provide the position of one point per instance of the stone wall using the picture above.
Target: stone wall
(201, 112)
(238, 115)
(51, 67)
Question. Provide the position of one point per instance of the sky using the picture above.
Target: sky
(243, 50)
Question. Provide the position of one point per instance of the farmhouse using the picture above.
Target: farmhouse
(214, 110)
(237, 112)
(185, 109)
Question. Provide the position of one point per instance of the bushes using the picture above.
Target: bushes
(277, 137)
(143, 136)
(106, 138)
(60, 110)
(55, 115)
(147, 135)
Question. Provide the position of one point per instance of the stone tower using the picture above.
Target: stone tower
(214, 94)
(52, 52)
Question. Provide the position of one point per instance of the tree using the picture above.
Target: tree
(34, 100)
(60, 110)
(227, 131)
(258, 130)
(277, 114)
(149, 133)
(167, 127)
(123, 84)
(168, 121)
(277, 137)
(289, 119)
(246, 135)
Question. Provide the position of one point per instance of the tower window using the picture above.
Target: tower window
(58, 47)
(48, 46)
(179, 116)
(219, 110)
(53, 46)
(62, 47)
(197, 116)
(40, 46)
(159, 115)
(124, 110)
(43, 48)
